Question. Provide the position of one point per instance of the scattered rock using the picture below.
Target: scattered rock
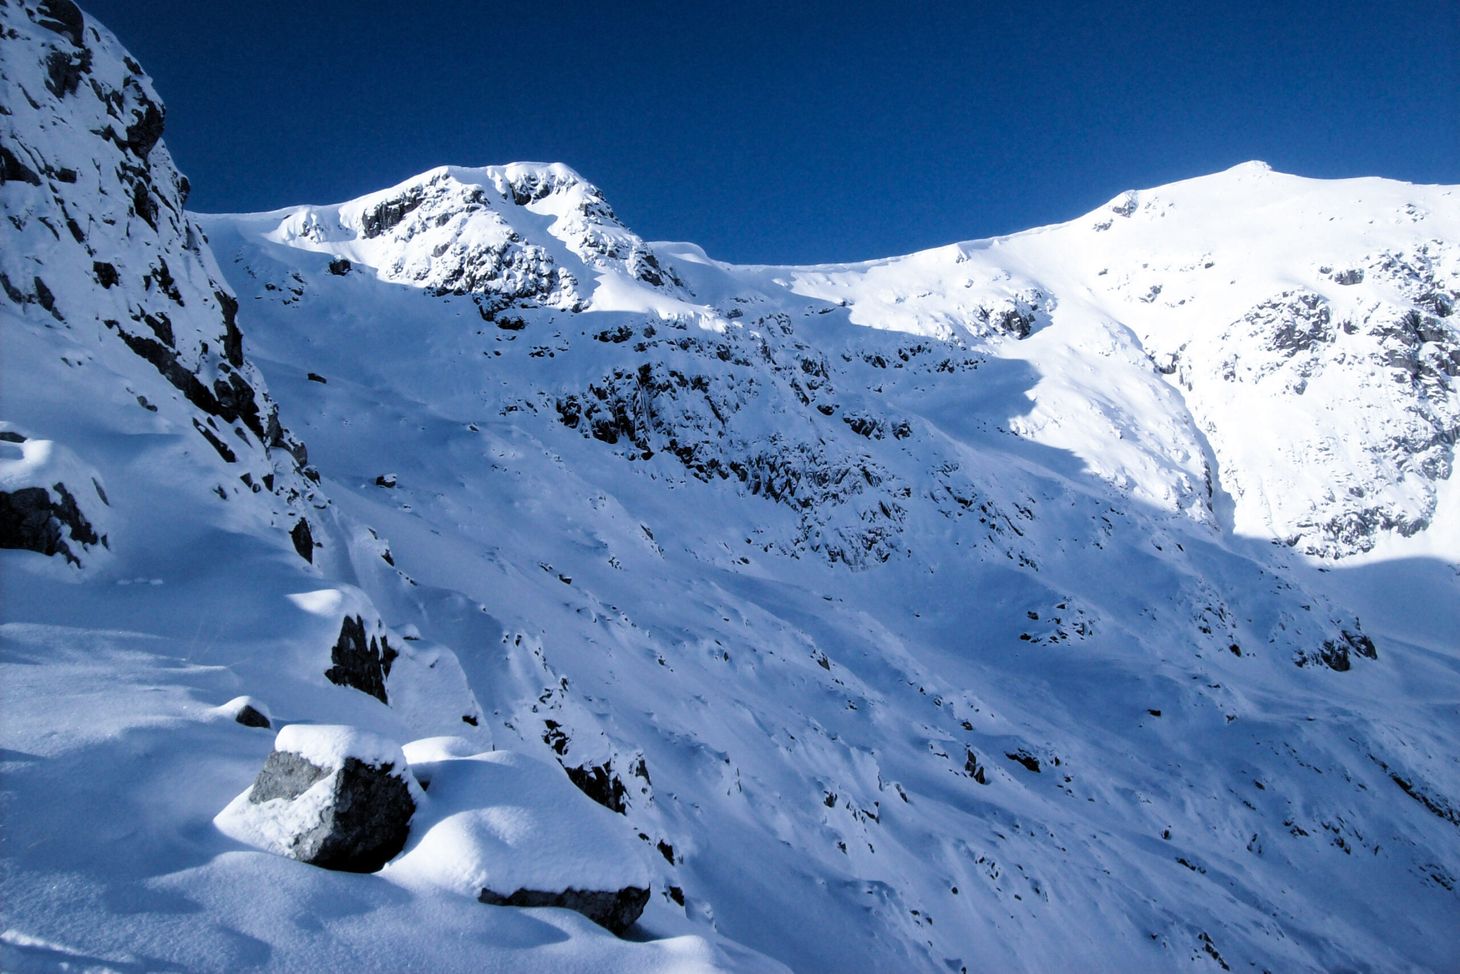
(1335, 653)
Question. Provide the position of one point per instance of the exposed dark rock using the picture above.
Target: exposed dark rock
(32, 519)
(972, 768)
(63, 17)
(599, 783)
(46, 299)
(616, 910)
(64, 71)
(13, 170)
(1435, 805)
(1025, 758)
(385, 480)
(388, 215)
(146, 130)
(340, 267)
(615, 336)
(106, 274)
(360, 662)
(232, 337)
(224, 450)
(1299, 320)
(249, 716)
(363, 825)
(1014, 322)
(1335, 653)
(316, 377)
(303, 541)
(161, 326)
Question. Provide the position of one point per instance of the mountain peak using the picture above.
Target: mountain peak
(523, 234)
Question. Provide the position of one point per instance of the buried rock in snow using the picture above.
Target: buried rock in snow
(331, 796)
(511, 831)
(247, 711)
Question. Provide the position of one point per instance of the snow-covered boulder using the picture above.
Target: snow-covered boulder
(331, 796)
(247, 711)
(508, 830)
(50, 502)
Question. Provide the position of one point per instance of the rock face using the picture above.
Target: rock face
(616, 911)
(333, 797)
(99, 254)
(33, 518)
(50, 501)
(361, 661)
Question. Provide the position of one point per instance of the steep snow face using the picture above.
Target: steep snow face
(166, 547)
(107, 283)
(1306, 324)
(950, 633)
(524, 235)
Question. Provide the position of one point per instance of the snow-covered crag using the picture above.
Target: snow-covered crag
(1085, 597)
(103, 266)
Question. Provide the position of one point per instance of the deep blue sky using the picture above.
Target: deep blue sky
(777, 132)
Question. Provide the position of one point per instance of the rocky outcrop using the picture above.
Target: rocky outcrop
(47, 521)
(616, 910)
(87, 179)
(361, 661)
(1337, 654)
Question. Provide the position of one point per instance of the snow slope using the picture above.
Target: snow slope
(1056, 600)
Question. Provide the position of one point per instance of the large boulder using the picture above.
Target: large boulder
(44, 506)
(508, 830)
(331, 796)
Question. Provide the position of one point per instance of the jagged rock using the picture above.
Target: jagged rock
(33, 519)
(360, 662)
(599, 783)
(617, 910)
(1334, 653)
(331, 796)
(302, 537)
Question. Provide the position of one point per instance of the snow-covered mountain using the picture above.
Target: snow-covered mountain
(1083, 597)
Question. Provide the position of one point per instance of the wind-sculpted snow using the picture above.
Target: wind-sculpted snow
(1081, 598)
